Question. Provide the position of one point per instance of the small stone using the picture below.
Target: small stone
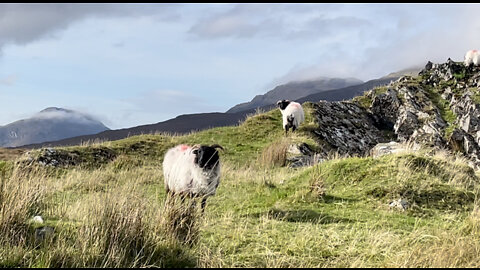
(38, 219)
(400, 204)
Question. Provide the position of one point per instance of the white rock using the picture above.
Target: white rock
(38, 219)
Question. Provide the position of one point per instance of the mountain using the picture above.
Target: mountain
(50, 124)
(293, 91)
(348, 92)
(180, 125)
(413, 71)
(196, 122)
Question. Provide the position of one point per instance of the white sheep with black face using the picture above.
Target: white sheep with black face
(472, 57)
(192, 171)
(292, 114)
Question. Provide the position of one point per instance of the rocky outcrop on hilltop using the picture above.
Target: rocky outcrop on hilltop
(53, 157)
(439, 108)
(346, 128)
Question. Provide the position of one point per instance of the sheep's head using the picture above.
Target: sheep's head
(282, 104)
(206, 157)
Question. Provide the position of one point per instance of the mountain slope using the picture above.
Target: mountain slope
(181, 124)
(294, 91)
(347, 92)
(49, 125)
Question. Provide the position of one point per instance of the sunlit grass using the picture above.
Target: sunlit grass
(334, 214)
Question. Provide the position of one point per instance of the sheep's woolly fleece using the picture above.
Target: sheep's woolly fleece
(472, 57)
(296, 110)
(183, 175)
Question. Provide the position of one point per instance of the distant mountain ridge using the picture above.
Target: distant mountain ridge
(179, 125)
(295, 90)
(195, 122)
(50, 124)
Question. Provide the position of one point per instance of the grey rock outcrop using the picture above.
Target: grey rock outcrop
(52, 157)
(439, 109)
(346, 128)
(303, 156)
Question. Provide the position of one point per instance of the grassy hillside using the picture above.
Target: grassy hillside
(334, 214)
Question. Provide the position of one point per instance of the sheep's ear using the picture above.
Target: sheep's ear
(195, 148)
(217, 146)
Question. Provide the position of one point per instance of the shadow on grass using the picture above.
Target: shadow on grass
(300, 216)
(335, 199)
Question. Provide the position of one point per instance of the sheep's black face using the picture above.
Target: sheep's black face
(206, 157)
(282, 104)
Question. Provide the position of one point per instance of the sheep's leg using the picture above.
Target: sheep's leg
(193, 202)
(168, 197)
(204, 202)
(183, 196)
(293, 129)
(286, 130)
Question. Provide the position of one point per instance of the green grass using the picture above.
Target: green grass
(320, 231)
(433, 94)
(335, 214)
(365, 100)
(476, 94)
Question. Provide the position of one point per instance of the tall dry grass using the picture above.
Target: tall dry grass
(112, 225)
(21, 197)
(275, 155)
(116, 216)
(181, 219)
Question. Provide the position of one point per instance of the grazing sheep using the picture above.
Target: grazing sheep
(472, 57)
(192, 171)
(476, 59)
(292, 114)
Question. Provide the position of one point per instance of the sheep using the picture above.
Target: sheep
(476, 59)
(472, 57)
(192, 171)
(292, 114)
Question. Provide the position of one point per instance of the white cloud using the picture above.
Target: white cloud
(25, 23)
(65, 114)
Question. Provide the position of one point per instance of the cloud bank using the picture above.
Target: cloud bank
(354, 40)
(25, 23)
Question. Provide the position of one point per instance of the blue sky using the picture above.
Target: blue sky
(134, 64)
